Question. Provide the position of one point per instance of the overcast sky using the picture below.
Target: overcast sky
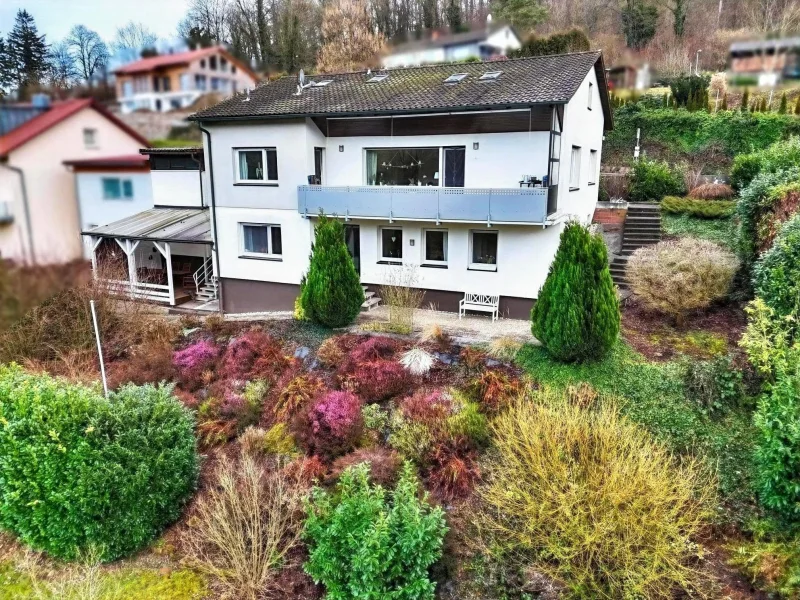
(55, 18)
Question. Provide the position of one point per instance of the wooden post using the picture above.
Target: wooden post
(166, 252)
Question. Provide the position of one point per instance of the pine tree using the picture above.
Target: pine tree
(27, 52)
(332, 293)
(784, 106)
(6, 67)
(577, 314)
(745, 100)
(724, 105)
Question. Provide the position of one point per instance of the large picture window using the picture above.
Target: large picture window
(403, 166)
(483, 250)
(257, 165)
(392, 244)
(261, 240)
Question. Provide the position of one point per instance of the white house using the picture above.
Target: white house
(468, 171)
(487, 42)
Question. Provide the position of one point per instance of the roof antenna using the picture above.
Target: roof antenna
(301, 82)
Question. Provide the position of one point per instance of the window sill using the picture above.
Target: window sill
(256, 183)
(574, 189)
(431, 266)
(267, 258)
(390, 262)
(481, 267)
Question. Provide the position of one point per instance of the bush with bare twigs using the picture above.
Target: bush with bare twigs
(634, 510)
(402, 297)
(675, 277)
(246, 526)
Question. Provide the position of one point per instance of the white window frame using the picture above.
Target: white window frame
(575, 169)
(391, 259)
(592, 167)
(265, 180)
(483, 266)
(446, 260)
(244, 253)
(591, 96)
(89, 137)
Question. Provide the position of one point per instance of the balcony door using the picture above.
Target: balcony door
(319, 160)
(454, 158)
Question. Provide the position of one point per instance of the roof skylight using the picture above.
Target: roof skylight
(491, 75)
(378, 77)
(456, 78)
(322, 83)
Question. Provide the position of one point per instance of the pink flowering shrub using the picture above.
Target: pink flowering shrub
(193, 360)
(374, 348)
(243, 352)
(332, 425)
(379, 379)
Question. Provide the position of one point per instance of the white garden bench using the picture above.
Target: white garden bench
(481, 302)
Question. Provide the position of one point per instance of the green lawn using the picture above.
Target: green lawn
(721, 231)
(653, 395)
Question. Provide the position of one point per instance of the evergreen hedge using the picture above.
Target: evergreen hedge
(80, 472)
(776, 274)
(576, 316)
(332, 294)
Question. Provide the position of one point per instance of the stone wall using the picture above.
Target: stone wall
(609, 219)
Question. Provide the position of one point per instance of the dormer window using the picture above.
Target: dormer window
(456, 78)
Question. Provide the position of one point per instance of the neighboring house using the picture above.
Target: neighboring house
(162, 236)
(768, 60)
(467, 171)
(37, 193)
(629, 76)
(175, 81)
(484, 43)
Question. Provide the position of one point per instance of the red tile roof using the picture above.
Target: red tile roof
(181, 58)
(125, 161)
(58, 112)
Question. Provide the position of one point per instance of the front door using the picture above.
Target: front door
(352, 237)
(454, 166)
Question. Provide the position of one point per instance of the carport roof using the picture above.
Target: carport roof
(161, 224)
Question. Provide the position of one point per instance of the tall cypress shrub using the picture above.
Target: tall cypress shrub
(577, 314)
(332, 294)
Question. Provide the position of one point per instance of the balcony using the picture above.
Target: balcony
(521, 206)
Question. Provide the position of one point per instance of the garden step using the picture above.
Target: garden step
(639, 241)
(370, 303)
(642, 231)
(368, 295)
(640, 219)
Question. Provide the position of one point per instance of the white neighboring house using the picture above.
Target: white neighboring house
(155, 221)
(174, 81)
(485, 43)
(468, 171)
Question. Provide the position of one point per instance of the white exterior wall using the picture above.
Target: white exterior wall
(95, 210)
(584, 128)
(419, 57)
(175, 188)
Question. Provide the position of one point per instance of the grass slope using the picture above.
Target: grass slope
(720, 231)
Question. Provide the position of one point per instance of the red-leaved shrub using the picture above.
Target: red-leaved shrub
(430, 408)
(472, 358)
(193, 360)
(384, 464)
(374, 348)
(292, 396)
(332, 425)
(243, 352)
(496, 390)
(188, 399)
(307, 469)
(148, 363)
(378, 380)
(453, 471)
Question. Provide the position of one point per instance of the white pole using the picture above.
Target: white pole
(99, 348)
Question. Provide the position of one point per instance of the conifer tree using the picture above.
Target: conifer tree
(784, 106)
(27, 53)
(745, 100)
(577, 314)
(332, 293)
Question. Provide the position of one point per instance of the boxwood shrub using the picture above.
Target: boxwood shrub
(703, 209)
(79, 471)
(776, 274)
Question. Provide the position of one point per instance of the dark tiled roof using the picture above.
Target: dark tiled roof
(524, 81)
(172, 150)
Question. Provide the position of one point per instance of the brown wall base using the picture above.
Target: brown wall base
(244, 296)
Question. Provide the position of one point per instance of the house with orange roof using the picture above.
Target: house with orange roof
(175, 81)
(39, 214)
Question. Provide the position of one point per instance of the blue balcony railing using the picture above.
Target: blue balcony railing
(495, 205)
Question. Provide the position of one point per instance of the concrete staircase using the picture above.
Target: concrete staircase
(371, 300)
(208, 291)
(642, 228)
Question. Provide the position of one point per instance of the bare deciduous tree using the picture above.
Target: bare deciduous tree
(131, 39)
(350, 40)
(90, 52)
(61, 72)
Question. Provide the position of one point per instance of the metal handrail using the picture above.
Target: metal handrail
(201, 276)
